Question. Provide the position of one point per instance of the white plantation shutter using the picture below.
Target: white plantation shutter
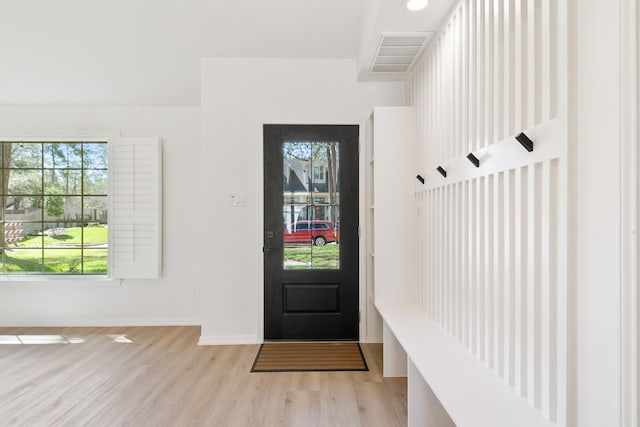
(135, 209)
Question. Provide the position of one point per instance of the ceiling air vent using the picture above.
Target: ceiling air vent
(398, 51)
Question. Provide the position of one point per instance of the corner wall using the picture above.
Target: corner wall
(238, 97)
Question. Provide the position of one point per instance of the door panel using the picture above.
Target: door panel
(311, 232)
(299, 298)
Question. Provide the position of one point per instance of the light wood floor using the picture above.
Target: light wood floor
(162, 378)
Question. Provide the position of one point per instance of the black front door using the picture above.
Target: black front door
(311, 232)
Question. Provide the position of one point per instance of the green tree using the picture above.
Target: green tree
(54, 205)
(332, 175)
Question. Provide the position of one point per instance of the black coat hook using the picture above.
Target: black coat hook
(442, 171)
(525, 141)
(473, 159)
(420, 178)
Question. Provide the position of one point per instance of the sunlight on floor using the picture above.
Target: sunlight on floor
(43, 339)
(33, 339)
(9, 339)
(120, 339)
(54, 339)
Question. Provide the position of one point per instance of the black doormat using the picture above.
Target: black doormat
(309, 356)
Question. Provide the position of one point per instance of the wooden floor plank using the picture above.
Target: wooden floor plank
(162, 378)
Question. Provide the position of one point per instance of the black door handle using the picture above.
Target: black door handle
(271, 250)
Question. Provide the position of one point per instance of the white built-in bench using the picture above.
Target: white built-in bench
(437, 365)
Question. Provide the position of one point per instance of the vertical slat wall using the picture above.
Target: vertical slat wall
(490, 253)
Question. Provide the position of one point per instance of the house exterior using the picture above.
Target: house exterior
(306, 191)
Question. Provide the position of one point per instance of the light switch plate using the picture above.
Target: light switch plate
(238, 200)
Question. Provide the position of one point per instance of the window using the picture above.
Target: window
(54, 216)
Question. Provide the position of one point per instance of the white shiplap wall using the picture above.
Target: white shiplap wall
(491, 246)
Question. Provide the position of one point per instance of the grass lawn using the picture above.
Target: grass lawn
(60, 253)
(66, 237)
(307, 257)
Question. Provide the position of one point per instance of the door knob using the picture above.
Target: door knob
(271, 250)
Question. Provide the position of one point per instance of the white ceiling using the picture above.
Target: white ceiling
(148, 51)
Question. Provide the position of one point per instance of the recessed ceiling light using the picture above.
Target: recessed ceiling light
(414, 5)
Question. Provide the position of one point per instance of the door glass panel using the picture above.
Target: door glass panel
(311, 207)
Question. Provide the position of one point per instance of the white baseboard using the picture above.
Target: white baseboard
(228, 339)
(99, 323)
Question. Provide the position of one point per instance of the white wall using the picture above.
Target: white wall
(238, 97)
(393, 205)
(170, 300)
(597, 145)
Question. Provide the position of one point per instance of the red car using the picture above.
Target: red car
(317, 232)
